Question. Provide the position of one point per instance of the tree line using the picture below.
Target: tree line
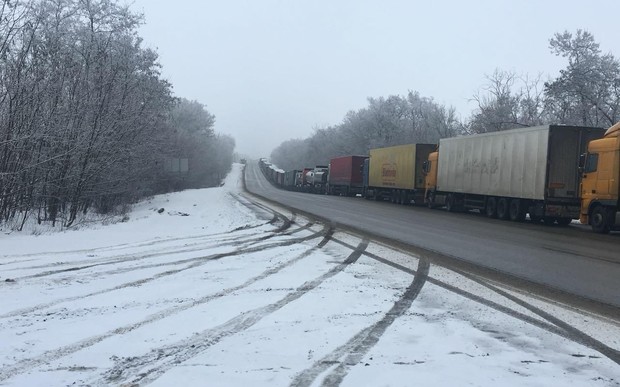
(586, 93)
(86, 120)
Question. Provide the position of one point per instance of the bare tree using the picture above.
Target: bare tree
(498, 106)
(507, 101)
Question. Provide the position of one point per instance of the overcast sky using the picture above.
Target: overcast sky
(272, 70)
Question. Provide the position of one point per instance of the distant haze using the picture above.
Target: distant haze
(273, 70)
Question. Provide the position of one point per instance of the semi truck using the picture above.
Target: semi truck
(512, 173)
(600, 174)
(345, 175)
(395, 173)
(304, 183)
(316, 179)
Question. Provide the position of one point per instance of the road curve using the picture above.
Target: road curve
(571, 259)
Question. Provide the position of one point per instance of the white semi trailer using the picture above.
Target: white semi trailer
(510, 173)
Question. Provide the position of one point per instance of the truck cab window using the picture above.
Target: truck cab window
(591, 163)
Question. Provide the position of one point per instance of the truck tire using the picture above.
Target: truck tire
(491, 207)
(450, 203)
(516, 213)
(502, 208)
(430, 200)
(599, 220)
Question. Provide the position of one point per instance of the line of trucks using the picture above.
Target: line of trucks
(553, 173)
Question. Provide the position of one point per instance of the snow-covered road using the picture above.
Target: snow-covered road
(221, 289)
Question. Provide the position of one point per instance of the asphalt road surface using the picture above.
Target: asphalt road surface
(572, 259)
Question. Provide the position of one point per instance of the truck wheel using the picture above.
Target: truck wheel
(430, 200)
(502, 208)
(403, 198)
(491, 208)
(599, 219)
(450, 203)
(515, 211)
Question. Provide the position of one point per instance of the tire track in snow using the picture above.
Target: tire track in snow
(123, 246)
(552, 324)
(252, 205)
(463, 293)
(207, 238)
(125, 258)
(244, 247)
(570, 332)
(14, 262)
(358, 346)
(251, 242)
(194, 262)
(147, 368)
(476, 298)
(255, 206)
(51, 355)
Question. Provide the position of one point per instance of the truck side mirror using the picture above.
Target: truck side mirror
(582, 162)
(425, 167)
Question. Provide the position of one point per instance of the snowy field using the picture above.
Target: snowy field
(221, 289)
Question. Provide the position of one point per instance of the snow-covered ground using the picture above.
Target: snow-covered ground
(220, 289)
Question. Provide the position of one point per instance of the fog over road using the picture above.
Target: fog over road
(572, 259)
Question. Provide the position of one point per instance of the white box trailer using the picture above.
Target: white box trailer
(535, 169)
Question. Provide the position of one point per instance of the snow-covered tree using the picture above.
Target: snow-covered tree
(587, 91)
(394, 120)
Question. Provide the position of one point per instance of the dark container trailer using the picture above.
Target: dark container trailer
(290, 179)
(279, 177)
(345, 175)
(271, 173)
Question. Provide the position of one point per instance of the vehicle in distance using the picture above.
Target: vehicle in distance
(345, 175)
(395, 173)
